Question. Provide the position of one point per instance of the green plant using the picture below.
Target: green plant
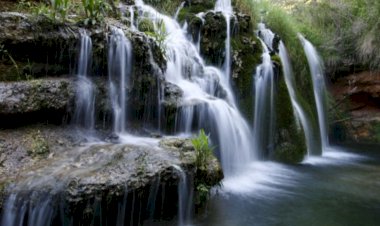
(95, 10)
(203, 151)
(39, 145)
(60, 7)
(23, 4)
(203, 192)
(159, 35)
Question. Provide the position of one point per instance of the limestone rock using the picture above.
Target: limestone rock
(37, 95)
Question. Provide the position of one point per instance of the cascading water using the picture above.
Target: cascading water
(225, 7)
(201, 86)
(263, 126)
(184, 197)
(298, 111)
(119, 70)
(316, 69)
(266, 35)
(85, 99)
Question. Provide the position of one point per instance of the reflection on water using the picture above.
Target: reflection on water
(340, 188)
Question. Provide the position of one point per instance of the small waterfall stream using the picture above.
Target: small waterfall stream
(225, 7)
(85, 93)
(119, 70)
(184, 197)
(263, 126)
(298, 110)
(316, 70)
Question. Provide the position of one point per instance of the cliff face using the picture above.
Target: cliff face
(358, 98)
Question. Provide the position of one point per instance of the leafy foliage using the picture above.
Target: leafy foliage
(60, 7)
(95, 10)
(344, 30)
(203, 151)
(157, 31)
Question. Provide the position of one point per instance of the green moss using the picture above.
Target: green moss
(276, 59)
(290, 142)
(249, 56)
(188, 12)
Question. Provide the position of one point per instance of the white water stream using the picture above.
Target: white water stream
(187, 70)
(119, 70)
(316, 69)
(85, 92)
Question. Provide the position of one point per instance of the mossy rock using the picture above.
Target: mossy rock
(246, 52)
(290, 145)
(213, 36)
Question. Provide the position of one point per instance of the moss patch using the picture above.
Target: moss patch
(290, 141)
(246, 56)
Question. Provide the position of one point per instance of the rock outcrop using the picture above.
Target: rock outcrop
(358, 98)
(110, 174)
(35, 96)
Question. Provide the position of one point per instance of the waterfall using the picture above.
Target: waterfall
(184, 197)
(225, 7)
(85, 99)
(207, 100)
(263, 126)
(119, 70)
(132, 18)
(266, 35)
(298, 111)
(179, 9)
(316, 69)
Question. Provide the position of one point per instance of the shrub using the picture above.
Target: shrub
(203, 151)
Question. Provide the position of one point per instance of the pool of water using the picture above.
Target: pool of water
(342, 188)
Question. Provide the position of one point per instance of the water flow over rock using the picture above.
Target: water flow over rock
(85, 99)
(225, 7)
(184, 197)
(298, 111)
(207, 100)
(119, 70)
(316, 69)
(263, 126)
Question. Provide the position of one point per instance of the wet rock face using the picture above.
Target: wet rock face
(213, 36)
